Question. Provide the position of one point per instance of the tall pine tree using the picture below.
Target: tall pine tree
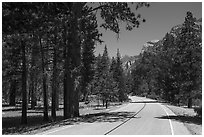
(90, 37)
(189, 57)
(118, 76)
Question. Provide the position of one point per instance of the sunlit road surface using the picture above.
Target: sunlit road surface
(142, 116)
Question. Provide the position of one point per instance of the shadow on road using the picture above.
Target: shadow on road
(101, 117)
(185, 119)
(151, 101)
(12, 124)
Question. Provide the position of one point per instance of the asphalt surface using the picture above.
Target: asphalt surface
(140, 117)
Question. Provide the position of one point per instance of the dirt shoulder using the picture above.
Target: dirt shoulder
(187, 115)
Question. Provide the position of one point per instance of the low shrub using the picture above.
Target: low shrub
(198, 110)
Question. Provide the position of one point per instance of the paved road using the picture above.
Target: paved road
(140, 117)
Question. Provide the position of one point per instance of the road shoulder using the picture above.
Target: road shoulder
(188, 117)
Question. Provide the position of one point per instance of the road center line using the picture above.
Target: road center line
(125, 120)
(172, 131)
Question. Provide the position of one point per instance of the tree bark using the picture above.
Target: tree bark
(57, 97)
(76, 103)
(106, 104)
(33, 77)
(103, 102)
(190, 103)
(66, 115)
(54, 85)
(72, 64)
(76, 52)
(68, 95)
(68, 82)
(98, 101)
(45, 112)
(24, 85)
(12, 96)
(33, 94)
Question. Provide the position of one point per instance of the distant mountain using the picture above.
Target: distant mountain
(128, 58)
(127, 61)
(151, 46)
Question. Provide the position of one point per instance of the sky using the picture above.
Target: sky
(160, 18)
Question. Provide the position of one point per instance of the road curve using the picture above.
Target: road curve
(140, 117)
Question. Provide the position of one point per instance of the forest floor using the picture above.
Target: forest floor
(11, 117)
(187, 115)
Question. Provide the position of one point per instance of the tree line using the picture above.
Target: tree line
(171, 69)
(109, 80)
(47, 51)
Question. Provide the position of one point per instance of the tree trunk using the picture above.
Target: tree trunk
(31, 90)
(84, 95)
(33, 94)
(190, 103)
(72, 64)
(57, 97)
(45, 100)
(76, 51)
(33, 77)
(68, 95)
(24, 88)
(45, 112)
(12, 96)
(54, 85)
(68, 82)
(178, 102)
(76, 103)
(106, 104)
(66, 114)
(98, 102)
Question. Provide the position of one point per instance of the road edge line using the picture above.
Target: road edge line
(172, 131)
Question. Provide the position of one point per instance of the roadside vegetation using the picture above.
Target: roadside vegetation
(170, 69)
(191, 119)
